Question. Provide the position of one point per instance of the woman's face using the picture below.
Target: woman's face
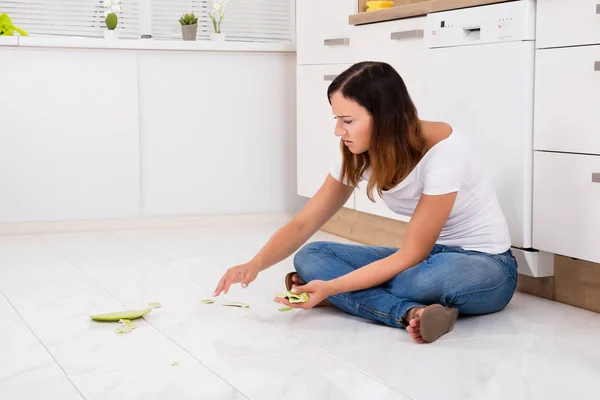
(353, 125)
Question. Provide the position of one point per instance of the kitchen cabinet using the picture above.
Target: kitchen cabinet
(567, 23)
(566, 216)
(323, 35)
(566, 194)
(402, 45)
(568, 100)
(318, 147)
(77, 156)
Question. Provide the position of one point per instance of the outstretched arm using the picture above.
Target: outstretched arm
(320, 208)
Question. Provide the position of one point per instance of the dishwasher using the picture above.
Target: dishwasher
(481, 81)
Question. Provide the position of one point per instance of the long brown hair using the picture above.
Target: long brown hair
(396, 144)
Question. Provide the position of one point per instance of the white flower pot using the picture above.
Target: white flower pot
(217, 37)
(111, 35)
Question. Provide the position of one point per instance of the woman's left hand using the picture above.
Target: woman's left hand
(317, 292)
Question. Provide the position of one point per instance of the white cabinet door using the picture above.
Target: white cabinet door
(69, 143)
(567, 100)
(218, 133)
(323, 34)
(500, 133)
(567, 23)
(318, 147)
(566, 208)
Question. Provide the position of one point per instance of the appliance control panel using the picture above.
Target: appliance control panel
(502, 22)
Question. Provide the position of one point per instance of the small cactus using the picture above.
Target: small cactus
(188, 19)
(111, 21)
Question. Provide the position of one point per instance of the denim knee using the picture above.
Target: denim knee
(307, 260)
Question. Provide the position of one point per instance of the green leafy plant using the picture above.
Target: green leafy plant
(188, 19)
(112, 7)
(7, 28)
(111, 21)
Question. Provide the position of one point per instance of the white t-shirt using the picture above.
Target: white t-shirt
(476, 221)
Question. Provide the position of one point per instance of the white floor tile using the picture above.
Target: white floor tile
(213, 331)
(545, 360)
(42, 388)
(306, 374)
(432, 372)
(22, 355)
(181, 382)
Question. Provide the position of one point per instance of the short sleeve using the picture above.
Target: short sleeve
(336, 172)
(445, 169)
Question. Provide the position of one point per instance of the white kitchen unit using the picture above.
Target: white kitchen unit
(566, 218)
(481, 81)
(325, 48)
(323, 35)
(567, 23)
(69, 143)
(208, 144)
(318, 147)
(567, 105)
(567, 207)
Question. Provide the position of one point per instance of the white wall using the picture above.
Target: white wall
(98, 134)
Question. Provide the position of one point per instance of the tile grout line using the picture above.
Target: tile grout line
(42, 343)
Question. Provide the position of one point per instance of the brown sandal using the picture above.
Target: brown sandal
(436, 320)
(289, 283)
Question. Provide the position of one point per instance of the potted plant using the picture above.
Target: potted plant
(110, 18)
(217, 17)
(189, 26)
(7, 28)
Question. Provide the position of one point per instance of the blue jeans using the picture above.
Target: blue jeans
(475, 283)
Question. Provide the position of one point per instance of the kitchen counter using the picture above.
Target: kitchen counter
(410, 9)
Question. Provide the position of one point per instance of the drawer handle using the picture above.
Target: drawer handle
(596, 177)
(412, 34)
(336, 42)
(329, 78)
(597, 8)
(597, 66)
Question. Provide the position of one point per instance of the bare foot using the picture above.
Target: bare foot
(415, 325)
(427, 324)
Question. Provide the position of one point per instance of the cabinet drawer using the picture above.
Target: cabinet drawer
(323, 34)
(567, 23)
(566, 204)
(567, 100)
(317, 146)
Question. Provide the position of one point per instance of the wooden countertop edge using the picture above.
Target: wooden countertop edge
(415, 10)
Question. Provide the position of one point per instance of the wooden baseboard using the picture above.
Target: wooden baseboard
(29, 228)
(575, 282)
(366, 228)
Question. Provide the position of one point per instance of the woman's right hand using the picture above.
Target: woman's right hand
(244, 273)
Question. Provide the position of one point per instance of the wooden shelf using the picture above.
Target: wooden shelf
(411, 9)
